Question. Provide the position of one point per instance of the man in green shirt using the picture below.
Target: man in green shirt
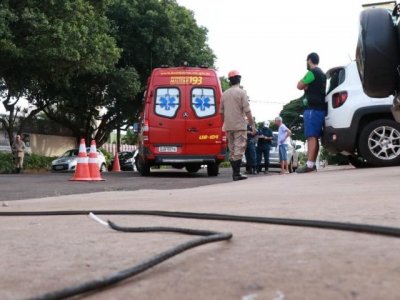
(314, 86)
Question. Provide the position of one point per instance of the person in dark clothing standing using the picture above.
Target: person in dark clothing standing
(265, 137)
(314, 86)
(251, 156)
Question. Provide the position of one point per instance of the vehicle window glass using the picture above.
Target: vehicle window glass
(336, 79)
(203, 102)
(167, 102)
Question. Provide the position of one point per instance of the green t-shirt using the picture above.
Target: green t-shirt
(308, 78)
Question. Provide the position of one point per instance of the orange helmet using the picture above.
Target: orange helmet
(233, 73)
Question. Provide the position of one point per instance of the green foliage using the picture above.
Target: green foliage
(225, 164)
(85, 63)
(77, 106)
(107, 155)
(334, 159)
(31, 162)
(34, 162)
(154, 33)
(291, 117)
(224, 83)
(45, 43)
(130, 138)
(53, 40)
(6, 163)
(302, 158)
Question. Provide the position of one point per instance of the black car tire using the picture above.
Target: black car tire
(378, 53)
(212, 170)
(193, 168)
(142, 166)
(379, 143)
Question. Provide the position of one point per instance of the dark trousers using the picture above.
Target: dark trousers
(263, 150)
(251, 156)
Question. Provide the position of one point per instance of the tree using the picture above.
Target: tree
(292, 117)
(153, 33)
(85, 63)
(93, 105)
(45, 43)
(150, 33)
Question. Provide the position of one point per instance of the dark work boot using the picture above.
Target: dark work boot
(236, 171)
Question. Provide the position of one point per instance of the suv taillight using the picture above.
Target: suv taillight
(339, 99)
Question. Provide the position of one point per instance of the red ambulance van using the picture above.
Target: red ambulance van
(180, 123)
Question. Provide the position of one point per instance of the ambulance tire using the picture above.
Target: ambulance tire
(142, 166)
(193, 168)
(378, 53)
(213, 170)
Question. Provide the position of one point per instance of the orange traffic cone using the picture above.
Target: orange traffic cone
(116, 166)
(82, 168)
(93, 163)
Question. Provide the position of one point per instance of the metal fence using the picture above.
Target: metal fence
(112, 148)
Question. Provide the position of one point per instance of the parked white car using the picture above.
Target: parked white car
(67, 161)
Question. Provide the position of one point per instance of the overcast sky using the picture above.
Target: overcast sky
(268, 41)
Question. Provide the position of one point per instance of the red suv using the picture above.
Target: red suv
(180, 123)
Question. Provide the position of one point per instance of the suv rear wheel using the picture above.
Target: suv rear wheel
(379, 143)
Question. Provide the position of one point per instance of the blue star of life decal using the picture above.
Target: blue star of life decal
(202, 103)
(167, 102)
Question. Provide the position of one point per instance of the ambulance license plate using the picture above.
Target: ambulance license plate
(168, 149)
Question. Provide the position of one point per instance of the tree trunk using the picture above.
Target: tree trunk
(118, 139)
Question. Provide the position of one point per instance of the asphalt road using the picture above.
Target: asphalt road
(28, 186)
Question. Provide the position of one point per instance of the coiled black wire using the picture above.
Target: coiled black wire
(208, 237)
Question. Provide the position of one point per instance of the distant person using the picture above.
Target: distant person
(283, 135)
(251, 155)
(18, 149)
(234, 109)
(314, 86)
(265, 137)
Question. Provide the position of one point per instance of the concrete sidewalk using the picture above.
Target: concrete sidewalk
(41, 254)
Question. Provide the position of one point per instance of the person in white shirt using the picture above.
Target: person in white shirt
(283, 134)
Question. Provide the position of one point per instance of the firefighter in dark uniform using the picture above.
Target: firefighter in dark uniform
(251, 155)
(265, 137)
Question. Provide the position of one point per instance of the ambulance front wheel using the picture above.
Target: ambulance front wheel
(213, 169)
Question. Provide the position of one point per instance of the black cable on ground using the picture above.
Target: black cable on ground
(208, 237)
(330, 225)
